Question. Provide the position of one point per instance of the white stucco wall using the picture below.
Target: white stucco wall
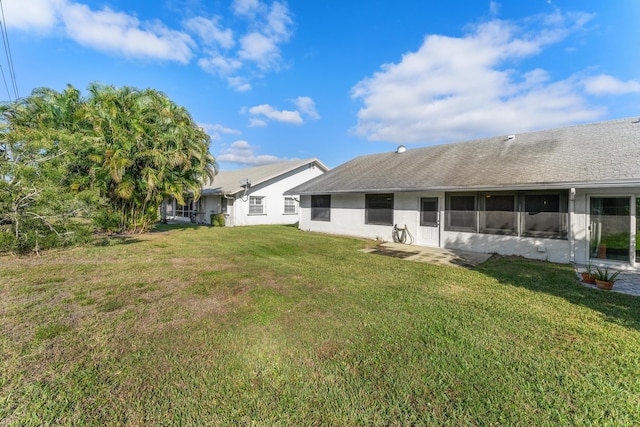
(348, 218)
(554, 250)
(272, 190)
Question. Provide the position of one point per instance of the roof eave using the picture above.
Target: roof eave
(523, 186)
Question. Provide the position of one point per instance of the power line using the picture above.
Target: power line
(5, 82)
(7, 51)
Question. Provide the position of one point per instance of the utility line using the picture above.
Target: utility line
(7, 51)
(5, 82)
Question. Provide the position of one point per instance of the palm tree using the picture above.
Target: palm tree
(152, 150)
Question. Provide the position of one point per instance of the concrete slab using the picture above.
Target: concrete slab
(425, 254)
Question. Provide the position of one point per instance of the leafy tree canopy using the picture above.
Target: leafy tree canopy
(112, 156)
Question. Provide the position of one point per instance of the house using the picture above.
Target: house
(251, 196)
(567, 195)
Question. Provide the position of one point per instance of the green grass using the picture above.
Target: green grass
(271, 325)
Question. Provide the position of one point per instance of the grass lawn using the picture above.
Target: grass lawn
(271, 325)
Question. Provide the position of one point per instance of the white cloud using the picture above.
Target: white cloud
(259, 46)
(260, 49)
(210, 32)
(243, 153)
(269, 112)
(257, 123)
(121, 33)
(239, 83)
(237, 56)
(104, 29)
(278, 23)
(247, 8)
(214, 130)
(609, 85)
(494, 8)
(41, 15)
(219, 65)
(459, 88)
(307, 107)
(262, 45)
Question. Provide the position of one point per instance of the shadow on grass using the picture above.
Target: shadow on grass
(162, 228)
(561, 281)
(115, 240)
(294, 225)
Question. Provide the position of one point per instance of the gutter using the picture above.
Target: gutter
(505, 187)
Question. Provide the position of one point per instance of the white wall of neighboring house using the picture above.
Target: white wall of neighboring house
(271, 194)
(348, 218)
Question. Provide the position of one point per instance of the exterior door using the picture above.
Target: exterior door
(429, 233)
(610, 228)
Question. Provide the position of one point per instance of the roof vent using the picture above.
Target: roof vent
(401, 149)
(510, 138)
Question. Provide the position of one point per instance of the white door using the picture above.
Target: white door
(429, 227)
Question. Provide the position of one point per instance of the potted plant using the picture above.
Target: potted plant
(588, 276)
(605, 279)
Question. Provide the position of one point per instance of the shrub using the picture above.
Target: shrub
(106, 220)
(7, 240)
(217, 220)
(37, 235)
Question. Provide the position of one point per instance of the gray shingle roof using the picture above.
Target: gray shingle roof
(228, 182)
(597, 154)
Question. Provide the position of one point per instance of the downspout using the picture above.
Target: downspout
(572, 237)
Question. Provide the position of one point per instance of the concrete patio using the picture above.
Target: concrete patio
(429, 255)
(628, 282)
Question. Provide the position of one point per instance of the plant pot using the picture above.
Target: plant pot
(588, 278)
(602, 251)
(601, 284)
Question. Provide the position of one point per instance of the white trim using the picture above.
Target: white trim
(603, 261)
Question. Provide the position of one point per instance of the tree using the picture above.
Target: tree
(40, 137)
(113, 156)
(151, 150)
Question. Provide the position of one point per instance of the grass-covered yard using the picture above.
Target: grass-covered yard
(271, 325)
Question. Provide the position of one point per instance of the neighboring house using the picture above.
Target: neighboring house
(564, 195)
(251, 196)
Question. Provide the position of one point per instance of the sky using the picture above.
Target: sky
(335, 79)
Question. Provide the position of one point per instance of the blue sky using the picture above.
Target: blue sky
(335, 79)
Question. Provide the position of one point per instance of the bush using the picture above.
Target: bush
(7, 240)
(35, 235)
(106, 220)
(217, 220)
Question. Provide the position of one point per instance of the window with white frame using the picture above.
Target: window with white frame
(186, 210)
(257, 205)
(290, 206)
